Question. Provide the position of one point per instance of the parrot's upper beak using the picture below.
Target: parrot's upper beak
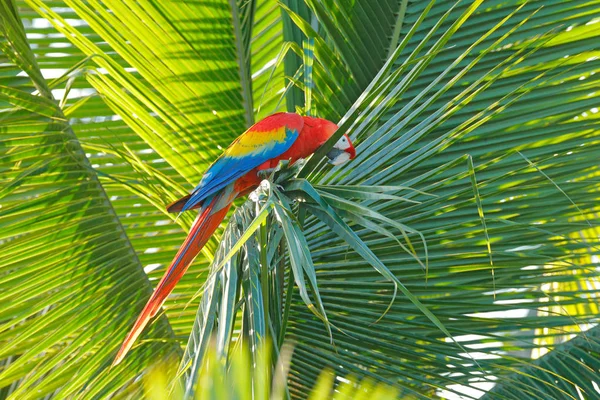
(342, 151)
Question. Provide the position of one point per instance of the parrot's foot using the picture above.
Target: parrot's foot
(285, 170)
(265, 173)
(282, 172)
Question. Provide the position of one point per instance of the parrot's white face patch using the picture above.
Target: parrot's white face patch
(338, 154)
(340, 158)
(342, 144)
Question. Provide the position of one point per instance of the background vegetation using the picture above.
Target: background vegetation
(459, 249)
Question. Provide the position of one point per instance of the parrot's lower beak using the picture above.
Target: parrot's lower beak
(337, 156)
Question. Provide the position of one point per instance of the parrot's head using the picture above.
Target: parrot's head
(322, 129)
(341, 151)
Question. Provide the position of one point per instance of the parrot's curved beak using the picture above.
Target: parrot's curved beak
(342, 151)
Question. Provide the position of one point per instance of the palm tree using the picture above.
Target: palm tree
(458, 250)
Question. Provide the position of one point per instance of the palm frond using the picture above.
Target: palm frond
(474, 190)
(66, 258)
(575, 361)
(539, 103)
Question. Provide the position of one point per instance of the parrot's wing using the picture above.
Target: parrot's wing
(262, 142)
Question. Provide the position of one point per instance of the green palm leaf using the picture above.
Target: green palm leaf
(474, 187)
(65, 256)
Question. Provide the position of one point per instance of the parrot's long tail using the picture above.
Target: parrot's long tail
(206, 223)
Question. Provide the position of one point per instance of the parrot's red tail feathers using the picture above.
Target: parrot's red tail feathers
(177, 205)
(203, 228)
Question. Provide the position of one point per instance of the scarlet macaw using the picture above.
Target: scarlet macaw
(281, 136)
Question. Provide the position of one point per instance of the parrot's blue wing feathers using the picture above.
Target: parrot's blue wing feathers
(264, 141)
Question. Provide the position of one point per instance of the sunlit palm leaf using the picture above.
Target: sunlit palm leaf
(575, 361)
(66, 260)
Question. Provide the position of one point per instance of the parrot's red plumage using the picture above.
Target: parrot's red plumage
(282, 136)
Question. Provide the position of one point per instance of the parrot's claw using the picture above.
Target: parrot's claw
(282, 172)
(265, 173)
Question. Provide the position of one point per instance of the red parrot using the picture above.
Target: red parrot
(281, 136)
